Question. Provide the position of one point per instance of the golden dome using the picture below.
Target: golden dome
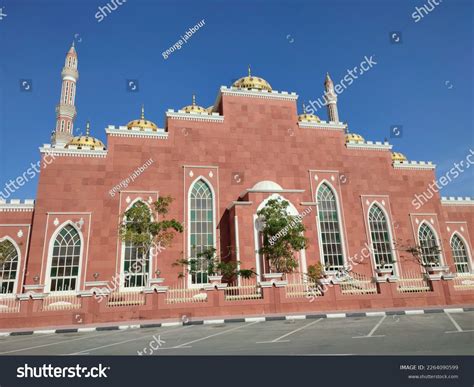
(86, 141)
(353, 137)
(397, 156)
(193, 108)
(251, 82)
(308, 117)
(142, 124)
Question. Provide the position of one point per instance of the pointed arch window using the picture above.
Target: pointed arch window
(9, 268)
(136, 261)
(65, 260)
(461, 259)
(430, 251)
(380, 237)
(329, 228)
(201, 216)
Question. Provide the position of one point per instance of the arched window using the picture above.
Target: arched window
(201, 229)
(65, 260)
(330, 230)
(9, 268)
(430, 252)
(461, 259)
(136, 260)
(380, 236)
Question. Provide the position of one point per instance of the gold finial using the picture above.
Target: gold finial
(72, 43)
(194, 100)
(304, 108)
(250, 74)
(143, 112)
(88, 129)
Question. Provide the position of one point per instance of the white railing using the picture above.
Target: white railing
(181, 294)
(61, 302)
(9, 305)
(247, 290)
(355, 284)
(125, 298)
(464, 282)
(413, 282)
(300, 286)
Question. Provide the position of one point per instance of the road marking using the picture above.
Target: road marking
(56, 343)
(171, 324)
(456, 325)
(371, 333)
(278, 339)
(335, 315)
(45, 331)
(375, 314)
(254, 319)
(214, 335)
(210, 322)
(454, 310)
(83, 352)
(296, 317)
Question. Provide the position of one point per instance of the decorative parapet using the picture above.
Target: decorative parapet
(414, 165)
(16, 205)
(85, 151)
(282, 95)
(123, 131)
(457, 201)
(323, 125)
(369, 145)
(194, 116)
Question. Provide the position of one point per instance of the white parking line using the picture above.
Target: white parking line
(296, 317)
(375, 314)
(414, 311)
(86, 351)
(214, 335)
(278, 339)
(456, 325)
(56, 343)
(371, 333)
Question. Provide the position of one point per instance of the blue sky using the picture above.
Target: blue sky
(424, 83)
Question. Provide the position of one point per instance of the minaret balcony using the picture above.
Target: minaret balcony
(69, 72)
(63, 110)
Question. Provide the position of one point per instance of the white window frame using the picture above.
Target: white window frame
(468, 252)
(17, 277)
(438, 242)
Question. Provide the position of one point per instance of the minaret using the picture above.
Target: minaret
(66, 110)
(331, 98)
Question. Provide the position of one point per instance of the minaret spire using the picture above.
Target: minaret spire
(66, 109)
(143, 112)
(331, 98)
(250, 73)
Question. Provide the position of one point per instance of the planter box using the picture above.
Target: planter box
(384, 271)
(448, 276)
(434, 277)
(215, 279)
(272, 276)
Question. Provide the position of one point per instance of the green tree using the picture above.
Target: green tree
(141, 229)
(283, 235)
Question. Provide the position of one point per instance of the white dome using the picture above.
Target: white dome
(267, 185)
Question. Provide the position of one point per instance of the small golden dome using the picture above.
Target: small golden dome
(252, 82)
(353, 137)
(86, 141)
(193, 108)
(397, 156)
(142, 124)
(305, 117)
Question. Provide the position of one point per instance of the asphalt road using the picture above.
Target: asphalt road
(426, 334)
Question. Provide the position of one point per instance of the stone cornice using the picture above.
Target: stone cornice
(322, 125)
(15, 205)
(84, 152)
(414, 165)
(369, 145)
(182, 115)
(123, 131)
(254, 93)
(457, 201)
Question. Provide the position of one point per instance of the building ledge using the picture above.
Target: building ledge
(16, 205)
(414, 165)
(282, 95)
(369, 145)
(123, 131)
(323, 125)
(182, 115)
(457, 201)
(84, 152)
(237, 203)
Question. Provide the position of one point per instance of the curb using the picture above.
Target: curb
(407, 312)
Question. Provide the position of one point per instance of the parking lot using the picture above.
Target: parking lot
(424, 334)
